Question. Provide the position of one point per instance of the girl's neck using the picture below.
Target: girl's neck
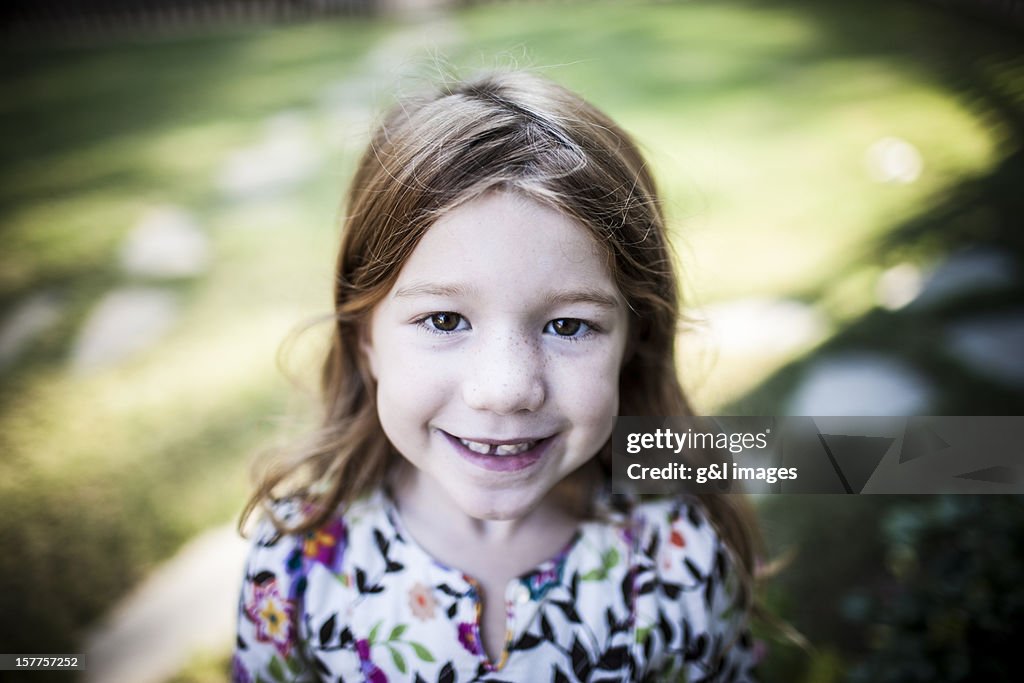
(479, 546)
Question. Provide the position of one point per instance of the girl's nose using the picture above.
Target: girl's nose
(505, 377)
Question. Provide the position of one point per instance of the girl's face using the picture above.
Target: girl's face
(497, 355)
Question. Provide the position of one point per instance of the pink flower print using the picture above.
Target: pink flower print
(272, 615)
(422, 602)
(326, 545)
(665, 560)
(371, 672)
(468, 638)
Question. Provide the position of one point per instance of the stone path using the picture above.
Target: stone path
(861, 384)
(968, 272)
(286, 156)
(124, 322)
(990, 343)
(29, 320)
(167, 242)
(186, 606)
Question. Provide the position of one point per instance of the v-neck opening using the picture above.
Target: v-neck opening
(554, 565)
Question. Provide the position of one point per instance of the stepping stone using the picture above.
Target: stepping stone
(166, 243)
(971, 271)
(991, 345)
(29, 320)
(184, 607)
(285, 157)
(861, 384)
(898, 286)
(123, 323)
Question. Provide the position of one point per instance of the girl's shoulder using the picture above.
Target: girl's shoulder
(282, 559)
(677, 521)
(284, 568)
(650, 523)
(690, 594)
(678, 561)
(677, 539)
(276, 534)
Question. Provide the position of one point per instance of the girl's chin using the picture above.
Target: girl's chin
(495, 507)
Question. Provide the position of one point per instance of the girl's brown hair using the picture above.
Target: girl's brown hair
(517, 132)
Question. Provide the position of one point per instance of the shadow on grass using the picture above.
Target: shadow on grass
(877, 602)
(183, 81)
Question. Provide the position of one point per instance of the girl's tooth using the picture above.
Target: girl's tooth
(514, 449)
(476, 447)
(504, 449)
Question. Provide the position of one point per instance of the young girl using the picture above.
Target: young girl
(504, 289)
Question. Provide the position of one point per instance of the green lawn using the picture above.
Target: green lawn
(755, 115)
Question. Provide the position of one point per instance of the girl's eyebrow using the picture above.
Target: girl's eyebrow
(596, 297)
(432, 289)
(585, 295)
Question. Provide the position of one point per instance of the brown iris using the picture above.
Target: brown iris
(566, 327)
(446, 322)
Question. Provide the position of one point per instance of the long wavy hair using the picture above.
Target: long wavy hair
(518, 132)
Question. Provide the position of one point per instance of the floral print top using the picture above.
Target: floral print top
(648, 596)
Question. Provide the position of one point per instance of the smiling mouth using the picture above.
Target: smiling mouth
(504, 449)
(502, 455)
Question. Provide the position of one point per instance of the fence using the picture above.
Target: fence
(29, 18)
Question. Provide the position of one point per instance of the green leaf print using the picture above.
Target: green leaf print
(642, 633)
(608, 560)
(422, 652)
(294, 665)
(397, 658)
(276, 671)
(397, 632)
(372, 638)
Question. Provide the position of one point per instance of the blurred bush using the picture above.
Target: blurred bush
(952, 604)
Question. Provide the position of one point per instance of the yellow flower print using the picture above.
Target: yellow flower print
(318, 542)
(274, 619)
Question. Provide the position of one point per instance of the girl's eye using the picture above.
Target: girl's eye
(445, 321)
(568, 327)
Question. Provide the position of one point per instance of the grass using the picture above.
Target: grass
(755, 115)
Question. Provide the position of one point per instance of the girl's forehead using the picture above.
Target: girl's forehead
(506, 238)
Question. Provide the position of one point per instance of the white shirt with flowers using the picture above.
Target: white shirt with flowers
(649, 596)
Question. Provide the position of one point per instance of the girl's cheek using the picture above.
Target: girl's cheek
(592, 385)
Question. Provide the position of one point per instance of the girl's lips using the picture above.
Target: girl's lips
(501, 463)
